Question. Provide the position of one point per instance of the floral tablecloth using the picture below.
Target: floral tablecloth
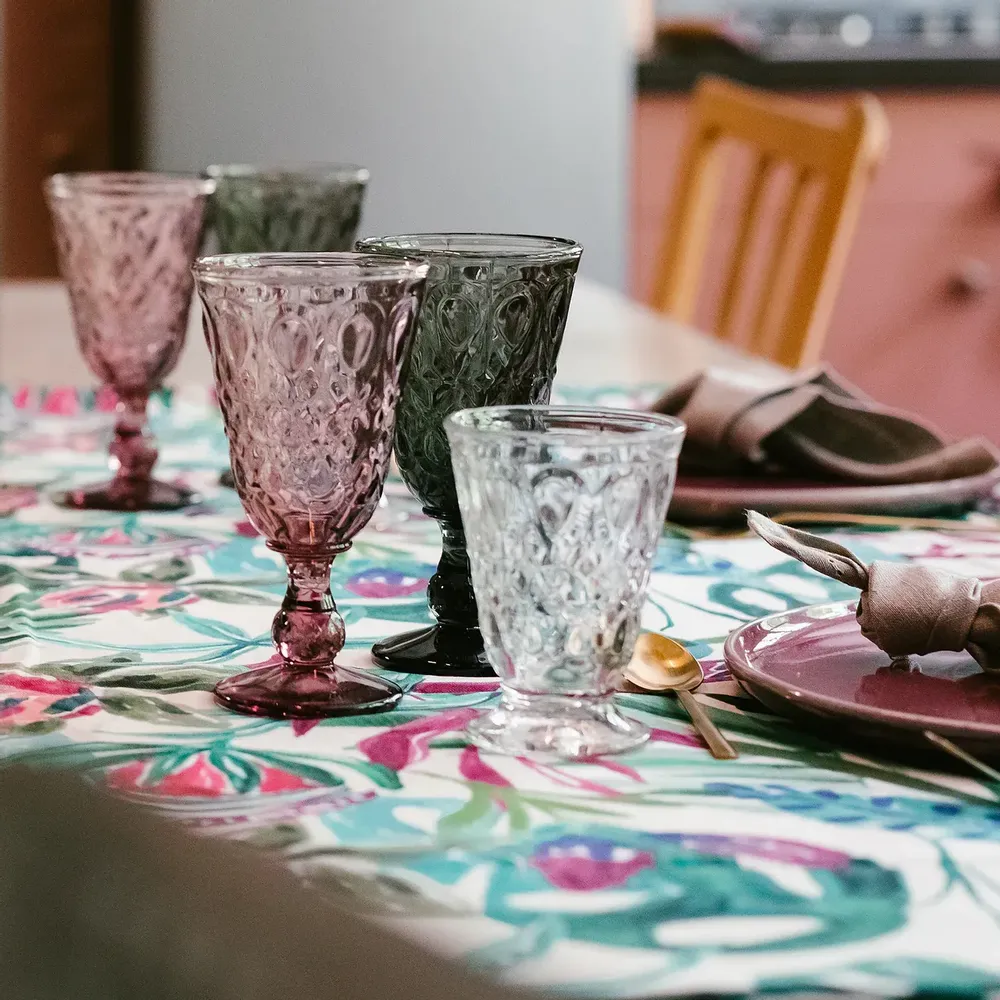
(664, 871)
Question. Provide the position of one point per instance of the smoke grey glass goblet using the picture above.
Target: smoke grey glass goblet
(297, 209)
(489, 333)
(293, 209)
(309, 353)
(563, 508)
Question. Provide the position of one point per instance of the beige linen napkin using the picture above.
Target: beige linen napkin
(905, 609)
(811, 424)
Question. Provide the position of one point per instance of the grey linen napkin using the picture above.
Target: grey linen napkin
(811, 424)
(905, 609)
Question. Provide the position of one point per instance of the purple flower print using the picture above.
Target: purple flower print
(584, 864)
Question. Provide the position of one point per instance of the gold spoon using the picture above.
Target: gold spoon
(660, 664)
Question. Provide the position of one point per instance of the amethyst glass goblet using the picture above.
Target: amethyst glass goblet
(309, 353)
(126, 242)
(488, 334)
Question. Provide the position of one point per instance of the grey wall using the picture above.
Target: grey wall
(503, 115)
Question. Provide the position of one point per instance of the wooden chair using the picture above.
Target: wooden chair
(780, 134)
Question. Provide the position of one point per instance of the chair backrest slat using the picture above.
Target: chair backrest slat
(838, 158)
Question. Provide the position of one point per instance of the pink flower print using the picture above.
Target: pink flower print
(22, 398)
(449, 686)
(16, 497)
(382, 583)
(116, 597)
(197, 779)
(273, 779)
(679, 739)
(246, 530)
(568, 780)
(409, 743)
(473, 768)
(584, 864)
(25, 699)
(62, 402)
(618, 767)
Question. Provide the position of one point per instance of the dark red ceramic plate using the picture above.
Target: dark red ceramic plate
(813, 664)
(707, 499)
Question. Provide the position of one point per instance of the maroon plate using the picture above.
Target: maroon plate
(707, 499)
(813, 664)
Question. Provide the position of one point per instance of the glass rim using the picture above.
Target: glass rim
(622, 426)
(127, 182)
(261, 268)
(474, 246)
(279, 172)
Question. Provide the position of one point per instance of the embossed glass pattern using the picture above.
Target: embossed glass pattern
(563, 510)
(309, 353)
(259, 209)
(489, 333)
(126, 242)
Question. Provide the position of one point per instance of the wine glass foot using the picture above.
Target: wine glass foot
(282, 692)
(126, 495)
(441, 650)
(227, 480)
(556, 727)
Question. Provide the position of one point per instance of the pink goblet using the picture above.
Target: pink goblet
(126, 242)
(309, 352)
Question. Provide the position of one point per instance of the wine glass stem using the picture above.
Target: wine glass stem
(450, 592)
(308, 630)
(133, 453)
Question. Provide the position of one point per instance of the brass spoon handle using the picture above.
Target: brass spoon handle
(719, 747)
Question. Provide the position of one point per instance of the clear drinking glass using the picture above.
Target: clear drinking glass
(489, 334)
(309, 353)
(126, 242)
(563, 510)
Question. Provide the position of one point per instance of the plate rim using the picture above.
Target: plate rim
(863, 492)
(746, 674)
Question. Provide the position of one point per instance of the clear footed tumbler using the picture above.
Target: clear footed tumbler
(309, 352)
(489, 333)
(564, 508)
(126, 242)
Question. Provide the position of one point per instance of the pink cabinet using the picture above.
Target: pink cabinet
(917, 322)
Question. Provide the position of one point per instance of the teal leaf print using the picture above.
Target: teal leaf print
(162, 571)
(212, 628)
(227, 594)
(157, 711)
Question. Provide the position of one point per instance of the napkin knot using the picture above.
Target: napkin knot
(905, 609)
(911, 610)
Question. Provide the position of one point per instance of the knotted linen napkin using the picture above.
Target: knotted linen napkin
(905, 609)
(811, 424)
